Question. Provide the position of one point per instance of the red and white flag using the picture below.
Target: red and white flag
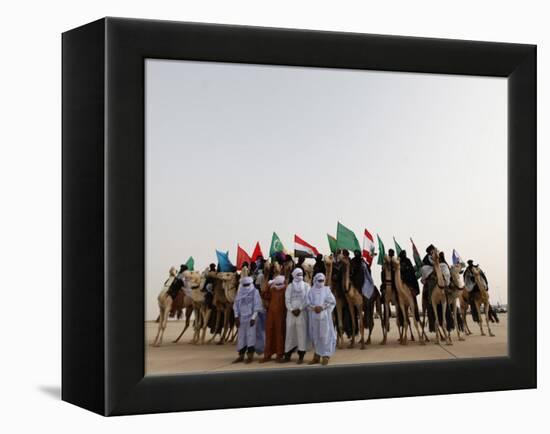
(368, 247)
(301, 248)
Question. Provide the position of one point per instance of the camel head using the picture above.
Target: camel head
(229, 285)
(456, 277)
(435, 256)
(387, 265)
(329, 260)
(480, 282)
(245, 272)
(396, 262)
(173, 271)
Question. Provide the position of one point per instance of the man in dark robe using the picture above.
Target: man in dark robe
(391, 254)
(427, 260)
(357, 275)
(408, 273)
(275, 325)
(319, 266)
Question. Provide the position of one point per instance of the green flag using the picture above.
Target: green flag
(417, 260)
(190, 264)
(276, 245)
(397, 247)
(346, 239)
(381, 250)
(332, 243)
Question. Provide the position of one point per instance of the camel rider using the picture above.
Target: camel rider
(427, 260)
(360, 275)
(320, 303)
(246, 307)
(177, 284)
(391, 254)
(469, 280)
(408, 273)
(296, 316)
(319, 266)
(209, 288)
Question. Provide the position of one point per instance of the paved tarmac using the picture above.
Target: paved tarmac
(185, 357)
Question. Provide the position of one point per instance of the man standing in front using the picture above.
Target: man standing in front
(296, 316)
(275, 323)
(246, 306)
(320, 303)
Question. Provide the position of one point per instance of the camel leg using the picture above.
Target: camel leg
(353, 316)
(455, 318)
(434, 306)
(444, 322)
(405, 323)
(361, 325)
(156, 342)
(487, 307)
(424, 312)
(478, 308)
(218, 320)
(385, 328)
(188, 313)
(225, 335)
(205, 325)
(340, 315)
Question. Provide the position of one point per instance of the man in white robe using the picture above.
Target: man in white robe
(296, 316)
(320, 304)
(246, 306)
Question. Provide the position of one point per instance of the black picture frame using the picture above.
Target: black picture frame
(103, 215)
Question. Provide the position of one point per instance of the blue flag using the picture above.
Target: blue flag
(224, 262)
(456, 257)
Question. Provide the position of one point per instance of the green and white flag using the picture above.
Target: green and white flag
(346, 239)
(276, 245)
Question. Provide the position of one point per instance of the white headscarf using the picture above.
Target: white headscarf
(297, 275)
(278, 282)
(319, 280)
(246, 286)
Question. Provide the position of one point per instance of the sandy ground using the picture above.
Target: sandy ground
(185, 357)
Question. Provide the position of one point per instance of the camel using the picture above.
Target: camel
(194, 302)
(165, 301)
(354, 298)
(454, 297)
(335, 284)
(225, 289)
(433, 299)
(406, 301)
(481, 297)
(308, 273)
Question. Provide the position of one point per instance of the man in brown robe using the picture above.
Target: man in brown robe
(276, 320)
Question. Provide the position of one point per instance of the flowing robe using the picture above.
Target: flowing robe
(296, 326)
(246, 307)
(275, 322)
(321, 329)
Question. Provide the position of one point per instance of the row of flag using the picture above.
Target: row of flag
(345, 239)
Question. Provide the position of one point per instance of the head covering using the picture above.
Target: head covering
(430, 248)
(246, 286)
(402, 254)
(319, 280)
(278, 282)
(357, 253)
(297, 275)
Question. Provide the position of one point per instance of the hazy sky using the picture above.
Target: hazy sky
(237, 151)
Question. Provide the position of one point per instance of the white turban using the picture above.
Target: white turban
(244, 291)
(246, 280)
(278, 282)
(319, 280)
(297, 271)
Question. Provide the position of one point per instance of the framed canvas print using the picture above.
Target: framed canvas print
(257, 216)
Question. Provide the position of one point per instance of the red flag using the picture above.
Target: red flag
(257, 252)
(242, 257)
(368, 247)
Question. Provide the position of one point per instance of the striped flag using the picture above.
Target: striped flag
(456, 258)
(304, 249)
(368, 247)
